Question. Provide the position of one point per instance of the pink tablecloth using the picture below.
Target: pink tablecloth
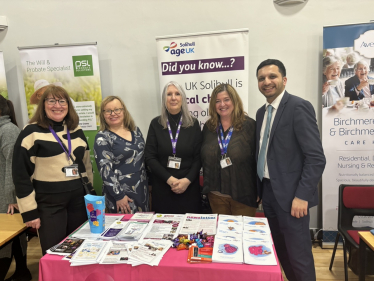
(173, 266)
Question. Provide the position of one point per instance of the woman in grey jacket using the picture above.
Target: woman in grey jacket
(332, 87)
(8, 204)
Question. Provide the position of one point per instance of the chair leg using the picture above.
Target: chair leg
(345, 260)
(333, 253)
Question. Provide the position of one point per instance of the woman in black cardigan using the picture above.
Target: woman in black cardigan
(175, 171)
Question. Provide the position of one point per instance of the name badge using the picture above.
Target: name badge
(174, 162)
(225, 162)
(72, 170)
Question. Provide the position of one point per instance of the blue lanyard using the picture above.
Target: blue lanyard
(59, 141)
(224, 142)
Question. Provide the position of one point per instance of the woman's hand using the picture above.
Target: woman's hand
(34, 223)
(180, 186)
(123, 205)
(171, 181)
(11, 208)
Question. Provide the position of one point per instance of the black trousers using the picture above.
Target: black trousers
(291, 238)
(60, 214)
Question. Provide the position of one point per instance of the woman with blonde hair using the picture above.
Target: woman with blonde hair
(173, 155)
(228, 155)
(119, 154)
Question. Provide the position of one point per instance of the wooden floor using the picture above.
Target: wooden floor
(322, 259)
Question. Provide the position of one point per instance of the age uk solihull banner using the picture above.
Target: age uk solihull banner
(3, 86)
(347, 117)
(199, 62)
(75, 67)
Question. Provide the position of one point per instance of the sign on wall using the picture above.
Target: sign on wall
(347, 116)
(200, 62)
(76, 69)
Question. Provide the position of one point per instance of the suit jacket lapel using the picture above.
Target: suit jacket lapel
(278, 115)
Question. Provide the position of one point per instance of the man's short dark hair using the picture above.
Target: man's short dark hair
(278, 63)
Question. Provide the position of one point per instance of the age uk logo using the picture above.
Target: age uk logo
(83, 65)
(179, 51)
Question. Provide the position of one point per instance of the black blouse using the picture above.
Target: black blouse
(239, 179)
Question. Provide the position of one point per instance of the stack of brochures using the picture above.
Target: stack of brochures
(164, 226)
(90, 252)
(132, 231)
(66, 247)
(114, 229)
(257, 242)
(116, 252)
(148, 252)
(194, 223)
(228, 243)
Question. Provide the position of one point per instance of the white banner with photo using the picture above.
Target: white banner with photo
(73, 67)
(347, 116)
(3, 85)
(199, 62)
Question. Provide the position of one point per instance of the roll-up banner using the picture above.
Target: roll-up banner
(347, 117)
(3, 86)
(199, 62)
(75, 67)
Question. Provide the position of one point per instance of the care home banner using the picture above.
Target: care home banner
(74, 67)
(3, 86)
(199, 62)
(347, 118)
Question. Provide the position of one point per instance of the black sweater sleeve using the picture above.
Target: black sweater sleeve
(151, 151)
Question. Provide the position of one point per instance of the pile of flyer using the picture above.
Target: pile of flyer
(257, 242)
(243, 239)
(228, 241)
(194, 223)
(163, 226)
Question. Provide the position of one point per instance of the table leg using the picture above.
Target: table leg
(362, 259)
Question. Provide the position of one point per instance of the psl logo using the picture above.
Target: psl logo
(83, 65)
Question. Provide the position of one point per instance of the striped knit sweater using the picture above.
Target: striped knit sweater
(38, 162)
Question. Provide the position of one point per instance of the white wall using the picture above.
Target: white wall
(126, 29)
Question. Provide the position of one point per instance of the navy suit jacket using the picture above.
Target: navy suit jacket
(295, 157)
(350, 88)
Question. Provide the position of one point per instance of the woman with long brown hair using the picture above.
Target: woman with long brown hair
(49, 195)
(228, 155)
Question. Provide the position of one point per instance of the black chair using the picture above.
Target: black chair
(354, 200)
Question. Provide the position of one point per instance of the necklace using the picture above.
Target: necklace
(176, 122)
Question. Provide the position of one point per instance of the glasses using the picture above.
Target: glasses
(116, 111)
(62, 102)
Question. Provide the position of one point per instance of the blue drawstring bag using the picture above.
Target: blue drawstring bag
(95, 207)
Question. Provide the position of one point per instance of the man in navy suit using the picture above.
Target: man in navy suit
(290, 162)
(358, 87)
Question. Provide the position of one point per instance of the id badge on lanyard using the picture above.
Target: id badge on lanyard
(70, 170)
(223, 144)
(174, 162)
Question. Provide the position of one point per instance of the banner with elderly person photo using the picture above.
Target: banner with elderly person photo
(347, 117)
(3, 85)
(200, 62)
(75, 68)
